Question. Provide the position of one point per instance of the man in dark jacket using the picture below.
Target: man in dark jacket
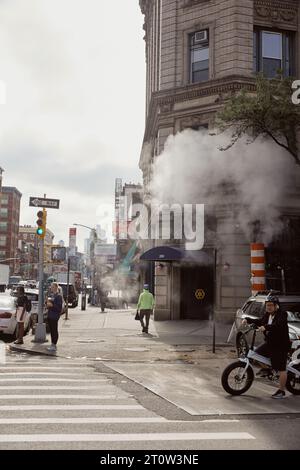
(54, 304)
(277, 342)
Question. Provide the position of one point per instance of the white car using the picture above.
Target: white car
(8, 320)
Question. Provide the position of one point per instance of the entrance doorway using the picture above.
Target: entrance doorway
(196, 292)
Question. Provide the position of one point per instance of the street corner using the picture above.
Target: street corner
(29, 347)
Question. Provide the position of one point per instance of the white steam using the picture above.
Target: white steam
(192, 169)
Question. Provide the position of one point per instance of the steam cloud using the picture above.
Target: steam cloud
(192, 169)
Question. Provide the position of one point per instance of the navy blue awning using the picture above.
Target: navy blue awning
(162, 253)
(169, 253)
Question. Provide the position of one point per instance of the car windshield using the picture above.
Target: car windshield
(293, 311)
(7, 303)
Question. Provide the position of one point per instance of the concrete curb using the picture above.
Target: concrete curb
(16, 348)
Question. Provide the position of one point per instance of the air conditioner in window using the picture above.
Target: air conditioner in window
(201, 36)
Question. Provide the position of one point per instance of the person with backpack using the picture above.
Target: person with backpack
(23, 308)
(54, 305)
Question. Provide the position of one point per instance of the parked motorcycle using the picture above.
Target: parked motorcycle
(238, 377)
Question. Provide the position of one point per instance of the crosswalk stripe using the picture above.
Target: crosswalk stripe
(51, 387)
(69, 407)
(80, 420)
(43, 368)
(202, 436)
(42, 397)
(40, 379)
(59, 374)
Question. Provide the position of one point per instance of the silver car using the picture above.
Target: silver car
(254, 308)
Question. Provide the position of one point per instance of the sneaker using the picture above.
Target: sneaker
(279, 394)
(19, 341)
(51, 348)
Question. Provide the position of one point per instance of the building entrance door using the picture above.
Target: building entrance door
(197, 292)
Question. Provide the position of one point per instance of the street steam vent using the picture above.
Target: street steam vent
(254, 178)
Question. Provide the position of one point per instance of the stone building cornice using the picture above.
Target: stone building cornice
(162, 102)
(277, 11)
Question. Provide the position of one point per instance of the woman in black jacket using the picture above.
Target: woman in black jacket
(274, 326)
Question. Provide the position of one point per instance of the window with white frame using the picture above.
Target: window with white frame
(2, 240)
(199, 56)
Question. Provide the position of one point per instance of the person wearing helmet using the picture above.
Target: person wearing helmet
(274, 326)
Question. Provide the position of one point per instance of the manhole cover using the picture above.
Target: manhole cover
(136, 349)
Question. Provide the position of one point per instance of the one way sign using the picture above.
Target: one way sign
(43, 202)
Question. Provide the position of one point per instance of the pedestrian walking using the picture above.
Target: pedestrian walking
(54, 305)
(145, 307)
(23, 309)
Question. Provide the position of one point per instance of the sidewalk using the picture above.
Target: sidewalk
(108, 335)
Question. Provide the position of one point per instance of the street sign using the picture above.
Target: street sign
(58, 253)
(43, 202)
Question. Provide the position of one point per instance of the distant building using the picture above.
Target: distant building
(27, 236)
(9, 225)
(125, 198)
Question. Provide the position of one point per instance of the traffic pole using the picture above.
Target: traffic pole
(40, 331)
(67, 295)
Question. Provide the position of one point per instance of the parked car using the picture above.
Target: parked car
(8, 320)
(73, 294)
(33, 296)
(254, 308)
(13, 281)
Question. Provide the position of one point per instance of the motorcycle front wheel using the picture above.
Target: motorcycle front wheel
(293, 384)
(235, 380)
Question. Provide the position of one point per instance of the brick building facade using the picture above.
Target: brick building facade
(9, 224)
(198, 52)
(28, 244)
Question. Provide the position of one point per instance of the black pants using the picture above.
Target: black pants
(53, 325)
(146, 314)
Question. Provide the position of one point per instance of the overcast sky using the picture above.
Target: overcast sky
(74, 116)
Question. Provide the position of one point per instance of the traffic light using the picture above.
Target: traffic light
(41, 223)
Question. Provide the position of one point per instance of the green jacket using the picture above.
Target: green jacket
(146, 301)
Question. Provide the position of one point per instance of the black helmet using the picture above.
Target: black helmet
(272, 298)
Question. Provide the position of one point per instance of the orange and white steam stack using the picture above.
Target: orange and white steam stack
(258, 267)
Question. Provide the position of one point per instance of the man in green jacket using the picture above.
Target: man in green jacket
(145, 307)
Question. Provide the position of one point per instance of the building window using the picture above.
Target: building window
(3, 200)
(2, 240)
(3, 226)
(199, 56)
(2, 254)
(273, 52)
(3, 212)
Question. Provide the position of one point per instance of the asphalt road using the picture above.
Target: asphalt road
(56, 403)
